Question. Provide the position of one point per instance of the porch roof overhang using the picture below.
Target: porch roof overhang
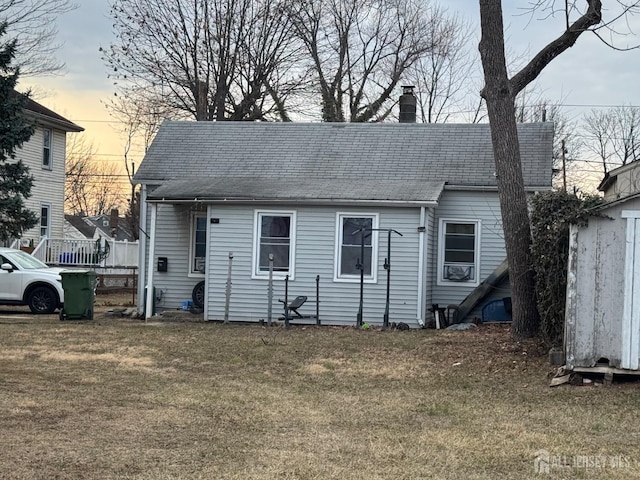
(316, 191)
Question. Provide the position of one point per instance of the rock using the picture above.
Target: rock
(461, 326)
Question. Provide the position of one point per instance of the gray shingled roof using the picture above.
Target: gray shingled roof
(258, 188)
(79, 224)
(332, 161)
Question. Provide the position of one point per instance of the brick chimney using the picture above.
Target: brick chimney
(407, 105)
(114, 219)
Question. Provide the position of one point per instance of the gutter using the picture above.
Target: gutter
(493, 188)
(421, 268)
(321, 202)
(45, 120)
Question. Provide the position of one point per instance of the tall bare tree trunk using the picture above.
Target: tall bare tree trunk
(500, 100)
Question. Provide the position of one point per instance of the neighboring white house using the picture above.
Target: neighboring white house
(300, 191)
(621, 182)
(45, 154)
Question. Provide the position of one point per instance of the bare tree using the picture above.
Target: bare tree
(358, 51)
(91, 187)
(140, 121)
(500, 92)
(613, 135)
(31, 23)
(442, 74)
(203, 59)
(78, 171)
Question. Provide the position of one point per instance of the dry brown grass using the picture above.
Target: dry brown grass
(121, 399)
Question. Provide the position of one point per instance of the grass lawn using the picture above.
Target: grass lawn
(123, 399)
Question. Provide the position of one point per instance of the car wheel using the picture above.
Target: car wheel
(198, 294)
(42, 300)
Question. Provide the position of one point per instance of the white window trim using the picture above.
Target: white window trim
(373, 278)
(50, 166)
(48, 207)
(255, 273)
(441, 231)
(192, 237)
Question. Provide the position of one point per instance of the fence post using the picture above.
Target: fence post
(286, 302)
(270, 290)
(228, 290)
(317, 299)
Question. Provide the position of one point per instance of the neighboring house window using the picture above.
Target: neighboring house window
(198, 243)
(46, 149)
(459, 252)
(351, 229)
(274, 234)
(45, 220)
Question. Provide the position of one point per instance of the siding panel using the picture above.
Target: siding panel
(483, 206)
(48, 185)
(315, 251)
(172, 241)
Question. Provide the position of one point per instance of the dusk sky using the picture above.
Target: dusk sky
(588, 75)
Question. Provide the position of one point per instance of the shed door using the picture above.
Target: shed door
(631, 310)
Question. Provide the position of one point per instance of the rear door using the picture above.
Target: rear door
(10, 283)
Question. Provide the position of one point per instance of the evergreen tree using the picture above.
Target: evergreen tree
(15, 129)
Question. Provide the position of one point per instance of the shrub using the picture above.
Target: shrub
(552, 213)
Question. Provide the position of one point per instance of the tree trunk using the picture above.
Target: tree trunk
(500, 101)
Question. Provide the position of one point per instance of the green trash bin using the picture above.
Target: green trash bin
(79, 294)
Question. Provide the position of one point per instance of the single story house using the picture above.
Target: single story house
(306, 193)
(602, 321)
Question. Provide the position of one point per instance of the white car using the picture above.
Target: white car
(25, 280)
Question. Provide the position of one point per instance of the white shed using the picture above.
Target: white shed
(602, 321)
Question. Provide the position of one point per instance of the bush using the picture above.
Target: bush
(552, 213)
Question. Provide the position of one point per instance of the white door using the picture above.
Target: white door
(10, 283)
(631, 310)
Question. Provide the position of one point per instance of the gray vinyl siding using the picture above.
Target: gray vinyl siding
(48, 185)
(173, 233)
(469, 205)
(430, 251)
(315, 252)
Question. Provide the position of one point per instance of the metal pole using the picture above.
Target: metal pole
(317, 299)
(270, 290)
(228, 290)
(387, 267)
(286, 301)
(360, 265)
(564, 168)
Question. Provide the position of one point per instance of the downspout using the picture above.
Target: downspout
(421, 267)
(207, 263)
(142, 247)
(152, 247)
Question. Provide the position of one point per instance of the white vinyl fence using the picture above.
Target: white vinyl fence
(89, 253)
